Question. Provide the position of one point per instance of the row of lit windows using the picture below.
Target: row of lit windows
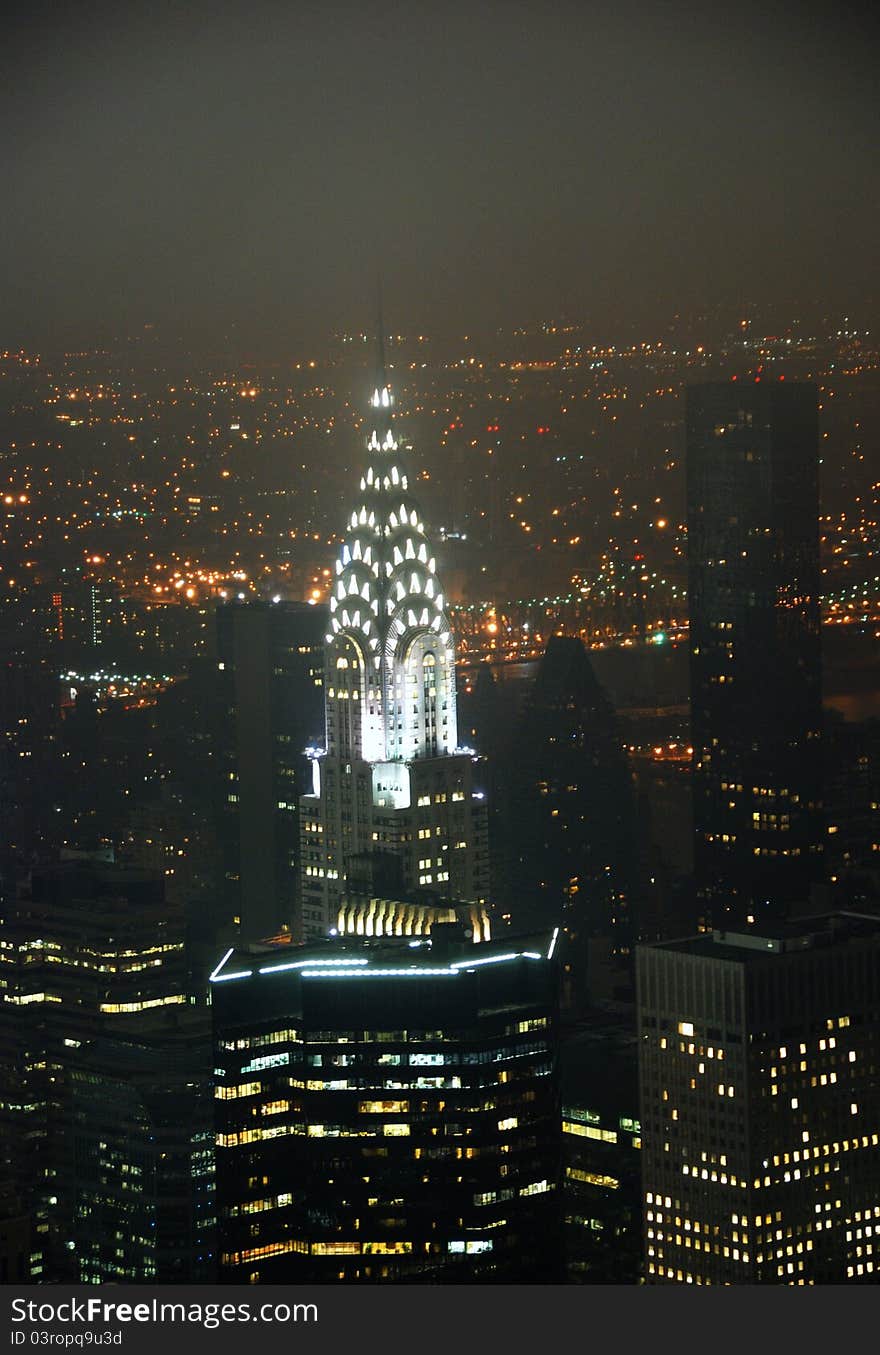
(259, 1206)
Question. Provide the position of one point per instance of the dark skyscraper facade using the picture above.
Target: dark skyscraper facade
(571, 825)
(88, 949)
(388, 1111)
(270, 656)
(752, 508)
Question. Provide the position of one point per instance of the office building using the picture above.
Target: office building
(394, 805)
(752, 509)
(87, 946)
(760, 1104)
(270, 660)
(388, 1111)
(141, 1152)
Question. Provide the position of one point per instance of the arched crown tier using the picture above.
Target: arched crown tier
(388, 601)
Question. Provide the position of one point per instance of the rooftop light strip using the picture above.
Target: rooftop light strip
(216, 971)
(414, 972)
(303, 964)
(553, 941)
(237, 974)
(495, 959)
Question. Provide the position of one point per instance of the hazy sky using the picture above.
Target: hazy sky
(256, 164)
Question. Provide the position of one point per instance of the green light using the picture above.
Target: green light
(658, 638)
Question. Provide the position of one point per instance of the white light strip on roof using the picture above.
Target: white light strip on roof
(216, 971)
(488, 959)
(553, 943)
(376, 973)
(360, 968)
(303, 964)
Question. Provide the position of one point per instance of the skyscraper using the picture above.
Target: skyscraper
(87, 948)
(760, 1104)
(393, 801)
(752, 507)
(388, 1111)
(571, 829)
(270, 657)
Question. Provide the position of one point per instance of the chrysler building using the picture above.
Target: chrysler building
(393, 808)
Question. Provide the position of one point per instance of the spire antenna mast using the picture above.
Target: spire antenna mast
(382, 375)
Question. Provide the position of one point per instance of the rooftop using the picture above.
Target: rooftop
(446, 954)
(759, 944)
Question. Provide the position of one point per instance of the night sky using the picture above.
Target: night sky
(251, 168)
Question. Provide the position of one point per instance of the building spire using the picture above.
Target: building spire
(381, 369)
(387, 603)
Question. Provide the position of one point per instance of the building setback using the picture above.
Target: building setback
(760, 1104)
(388, 1111)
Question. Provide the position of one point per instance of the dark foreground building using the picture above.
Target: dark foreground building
(107, 1169)
(388, 1111)
(752, 509)
(602, 1143)
(760, 1104)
